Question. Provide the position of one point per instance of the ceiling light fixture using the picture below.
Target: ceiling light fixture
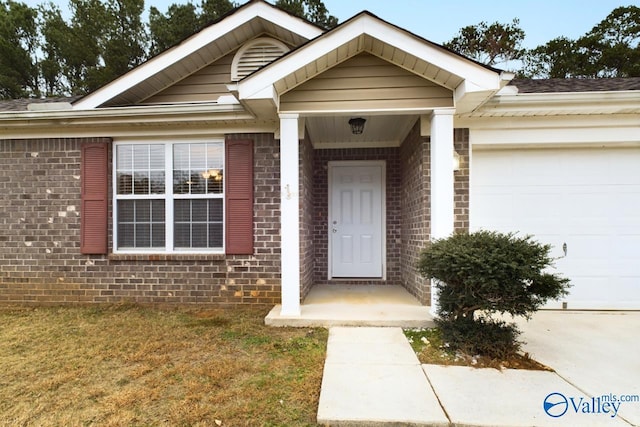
(357, 125)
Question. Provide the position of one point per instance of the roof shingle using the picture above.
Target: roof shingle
(576, 85)
(22, 104)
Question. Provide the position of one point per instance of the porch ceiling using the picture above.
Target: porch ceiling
(379, 131)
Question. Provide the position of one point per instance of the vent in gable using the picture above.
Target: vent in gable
(254, 55)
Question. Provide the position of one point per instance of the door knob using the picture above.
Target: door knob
(334, 230)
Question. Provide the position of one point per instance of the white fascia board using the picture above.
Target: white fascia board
(28, 123)
(356, 144)
(194, 43)
(362, 111)
(577, 102)
(268, 92)
(465, 88)
(552, 131)
(155, 132)
(610, 121)
(480, 77)
(554, 137)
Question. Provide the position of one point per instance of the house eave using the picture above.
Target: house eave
(559, 103)
(128, 114)
(129, 120)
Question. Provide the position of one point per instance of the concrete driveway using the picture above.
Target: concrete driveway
(372, 377)
(597, 352)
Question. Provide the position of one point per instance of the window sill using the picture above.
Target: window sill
(166, 257)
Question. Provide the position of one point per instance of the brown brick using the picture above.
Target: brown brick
(39, 245)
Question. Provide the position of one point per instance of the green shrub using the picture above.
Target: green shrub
(488, 272)
(491, 338)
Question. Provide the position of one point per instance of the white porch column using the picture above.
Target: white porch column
(442, 181)
(289, 219)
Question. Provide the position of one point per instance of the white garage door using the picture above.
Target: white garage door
(586, 198)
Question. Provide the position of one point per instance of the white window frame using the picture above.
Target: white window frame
(168, 197)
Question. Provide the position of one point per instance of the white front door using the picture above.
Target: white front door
(356, 219)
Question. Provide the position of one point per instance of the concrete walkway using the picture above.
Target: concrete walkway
(372, 377)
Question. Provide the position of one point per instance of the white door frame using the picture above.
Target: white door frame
(383, 165)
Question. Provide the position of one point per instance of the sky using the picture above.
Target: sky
(439, 21)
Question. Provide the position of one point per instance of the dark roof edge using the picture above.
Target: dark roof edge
(616, 84)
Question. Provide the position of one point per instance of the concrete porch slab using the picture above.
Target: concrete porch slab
(356, 305)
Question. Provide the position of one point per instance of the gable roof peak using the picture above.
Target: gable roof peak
(198, 50)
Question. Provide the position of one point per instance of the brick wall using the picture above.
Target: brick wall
(307, 247)
(461, 183)
(393, 218)
(40, 224)
(416, 201)
(40, 260)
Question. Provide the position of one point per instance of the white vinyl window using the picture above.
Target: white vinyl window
(169, 197)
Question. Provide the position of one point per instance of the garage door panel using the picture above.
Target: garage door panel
(587, 198)
(627, 211)
(591, 249)
(498, 207)
(588, 290)
(627, 290)
(526, 169)
(541, 203)
(586, 204)
(624, 249)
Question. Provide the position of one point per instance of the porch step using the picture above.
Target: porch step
(356, 305)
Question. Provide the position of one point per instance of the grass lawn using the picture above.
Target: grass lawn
(133, 366)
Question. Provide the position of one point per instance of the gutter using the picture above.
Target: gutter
(157, 113)
(575, 102)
